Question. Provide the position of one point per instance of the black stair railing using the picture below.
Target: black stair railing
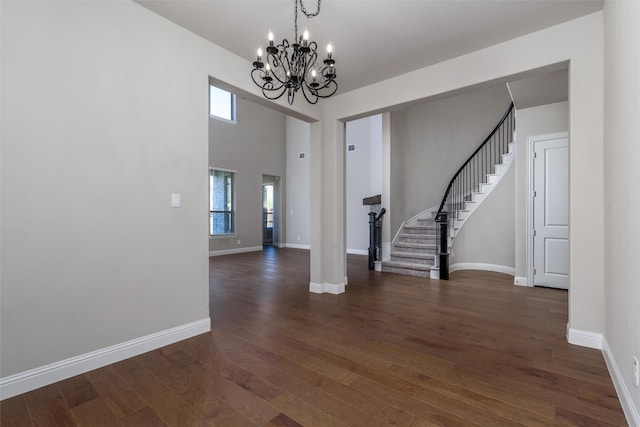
(467, 180)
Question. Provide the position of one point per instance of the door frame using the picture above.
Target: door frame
(277, 209)
(531, 141)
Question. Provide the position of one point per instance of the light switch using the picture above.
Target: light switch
(175, 200)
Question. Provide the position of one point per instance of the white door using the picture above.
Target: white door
(551, 213)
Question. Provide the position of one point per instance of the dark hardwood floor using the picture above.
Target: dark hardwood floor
(392, 350)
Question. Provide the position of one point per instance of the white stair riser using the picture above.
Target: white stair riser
(421, 230)
(405, 271)
(430, 261)
(416, 250)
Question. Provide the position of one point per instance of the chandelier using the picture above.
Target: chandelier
(289, 67)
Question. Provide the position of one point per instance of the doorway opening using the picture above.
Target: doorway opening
(548, 211)
(270, 210)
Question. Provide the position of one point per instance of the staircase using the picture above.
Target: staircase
(417, 249)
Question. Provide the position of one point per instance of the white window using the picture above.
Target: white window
(221, 202)
(222, 104)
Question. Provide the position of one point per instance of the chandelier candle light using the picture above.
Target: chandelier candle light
(291, 67)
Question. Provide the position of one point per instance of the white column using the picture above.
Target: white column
(385, 170)
(328, 259)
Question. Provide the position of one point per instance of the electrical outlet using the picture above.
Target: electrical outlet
(238, 241)
(636, 372)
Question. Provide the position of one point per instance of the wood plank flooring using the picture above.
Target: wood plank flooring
(392, 350)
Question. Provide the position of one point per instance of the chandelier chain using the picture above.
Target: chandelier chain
(306, 13)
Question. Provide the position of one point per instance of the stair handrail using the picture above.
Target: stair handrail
(482, 165)
(486, 140)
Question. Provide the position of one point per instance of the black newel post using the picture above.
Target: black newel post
(372, 240)
(444, 240)
(375, 237)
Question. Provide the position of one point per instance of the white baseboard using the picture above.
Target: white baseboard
(358, 251)
(235, 251)
(32, 379)
(297, 246)
(631, 412)
(326, 288)
(482, 266)
(584, 338)
(520, 281)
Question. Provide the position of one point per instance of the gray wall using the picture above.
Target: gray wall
(622, 193)
(104, 110)
(253, 146)
(298, 186)
(363, 178)
(488, 236)
(534, 121)
(430, 141)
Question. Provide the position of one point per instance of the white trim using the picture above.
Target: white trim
(631, 412)
(296, 246)
(482, 266)
(529, 197)
(215, 168)
(32, 379)
(584, 338)
(358, 251)
(235, 251)
(386, 251)
(520, 281)
(326, 288)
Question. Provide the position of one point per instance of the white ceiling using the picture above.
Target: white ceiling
(540, 89)
(376, 39)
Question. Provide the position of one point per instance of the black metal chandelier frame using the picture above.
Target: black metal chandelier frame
(289, 67)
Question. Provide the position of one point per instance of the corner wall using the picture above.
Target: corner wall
(487, 238)
(622, 198)
(298, 135)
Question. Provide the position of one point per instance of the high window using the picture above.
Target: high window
(221, 202)
(222, 104)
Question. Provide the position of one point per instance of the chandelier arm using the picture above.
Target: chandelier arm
(305, 88)
(331, 83)
(272, 60)
(266, 86)
(309, 65)
(291, 94)
(266, 92)
(284, 53)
